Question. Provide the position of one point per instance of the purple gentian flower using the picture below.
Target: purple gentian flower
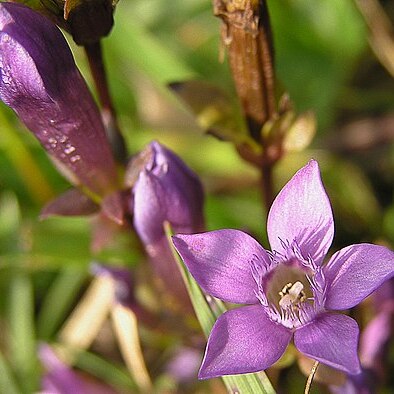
(289, 291)
(41, 83)
(165, 190)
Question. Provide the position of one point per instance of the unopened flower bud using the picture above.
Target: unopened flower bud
(165, 190)
(41, 83)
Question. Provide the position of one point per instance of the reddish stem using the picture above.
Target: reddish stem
(96, 62)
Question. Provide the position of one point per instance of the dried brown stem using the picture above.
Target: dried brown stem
(246, 33)
(97, 67)
(310, 377)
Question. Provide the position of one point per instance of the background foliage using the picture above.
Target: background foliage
(323, 59)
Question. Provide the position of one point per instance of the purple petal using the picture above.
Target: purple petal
(355, 272)
(243, 340)
(157, 198)
(149, 208)
(302, 213)
(40, 82)
(222, 262)
(331, 339)
(183, 189)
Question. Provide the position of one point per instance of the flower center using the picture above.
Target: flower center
(291, 289)
(287, 286)
(291, 295)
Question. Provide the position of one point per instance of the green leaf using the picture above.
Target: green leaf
(316, 49)
(106, 371)
(58, 300)
(7, 380)
(144, 50)
(22, 332)
(214, 110)
(208, 309)
(352, 197)
(23, 162)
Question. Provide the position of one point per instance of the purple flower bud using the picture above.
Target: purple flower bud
(41, 83)
(165, 190)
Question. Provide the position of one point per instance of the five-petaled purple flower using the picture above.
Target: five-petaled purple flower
(289, 291)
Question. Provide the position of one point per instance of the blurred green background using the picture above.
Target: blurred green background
(322, 58)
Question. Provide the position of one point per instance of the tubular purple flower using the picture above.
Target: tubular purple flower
(41, 83)
(289, 292)
(166, 190)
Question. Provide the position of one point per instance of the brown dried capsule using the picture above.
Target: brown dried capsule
(247, 36)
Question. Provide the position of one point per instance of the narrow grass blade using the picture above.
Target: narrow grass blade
(22, 332)
(58, 300)
(106, 371)
(7, 380)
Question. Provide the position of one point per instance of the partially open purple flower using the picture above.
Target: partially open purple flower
(41, 83)
(288, 292)
(165, 190)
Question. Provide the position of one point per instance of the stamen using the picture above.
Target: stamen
(291, 295)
